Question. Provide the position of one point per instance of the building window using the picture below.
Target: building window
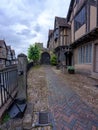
(56, 33)
(85, 54)
(80, 19)
(1, 61)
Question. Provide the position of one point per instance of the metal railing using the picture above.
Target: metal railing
(8, 83)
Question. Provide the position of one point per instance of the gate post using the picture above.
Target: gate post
(22, 76)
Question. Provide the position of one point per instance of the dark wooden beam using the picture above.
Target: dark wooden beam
(97, 13)
(93, 35)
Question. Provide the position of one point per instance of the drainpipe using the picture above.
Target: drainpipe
(97, 11)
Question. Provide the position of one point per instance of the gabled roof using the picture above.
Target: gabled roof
(2, 42)
(70, 9)
(62, 22)
(78, 9)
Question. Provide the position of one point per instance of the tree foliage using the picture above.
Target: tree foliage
(34, 53)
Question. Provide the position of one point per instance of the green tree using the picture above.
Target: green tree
(34, 53)
(53, 59)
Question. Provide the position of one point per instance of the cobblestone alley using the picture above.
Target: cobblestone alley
(52, 94)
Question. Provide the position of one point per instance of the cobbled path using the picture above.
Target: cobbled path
(69, 111)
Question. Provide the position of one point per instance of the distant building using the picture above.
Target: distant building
(7, 56)
(40, 45)
(13, 61)
(50, 43)
(3, 54)
(59, 40)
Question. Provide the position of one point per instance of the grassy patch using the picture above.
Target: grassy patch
(51, 125)
(5, 118)
(36, 67)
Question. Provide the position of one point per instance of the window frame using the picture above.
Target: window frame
(85, 54)
(80, 18)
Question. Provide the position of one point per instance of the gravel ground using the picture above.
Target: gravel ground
(37, 90)
(38, 94)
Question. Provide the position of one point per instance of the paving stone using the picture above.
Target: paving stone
(70, 112)
(3, 127)
(27, 121)
(19, 128)
(17, 122)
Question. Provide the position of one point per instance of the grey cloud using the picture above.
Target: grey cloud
(10, 36)
(6, 20)
(31, 13)
(3, 18)
(25, 22)
(27, 33)
(19, 16)
(32, 8)
(37, 28)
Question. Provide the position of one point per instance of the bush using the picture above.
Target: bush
(5, 118)
(71, 69)
(53, 60)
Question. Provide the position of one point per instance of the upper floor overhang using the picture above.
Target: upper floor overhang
(89, 37)
(67, 50)
(58, 48)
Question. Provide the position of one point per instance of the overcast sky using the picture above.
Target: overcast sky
(24, 22)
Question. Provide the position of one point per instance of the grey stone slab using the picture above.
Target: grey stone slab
(19, 128)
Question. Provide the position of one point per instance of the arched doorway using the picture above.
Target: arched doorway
(45, 58)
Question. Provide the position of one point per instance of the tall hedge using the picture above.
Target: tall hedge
(53, 59)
